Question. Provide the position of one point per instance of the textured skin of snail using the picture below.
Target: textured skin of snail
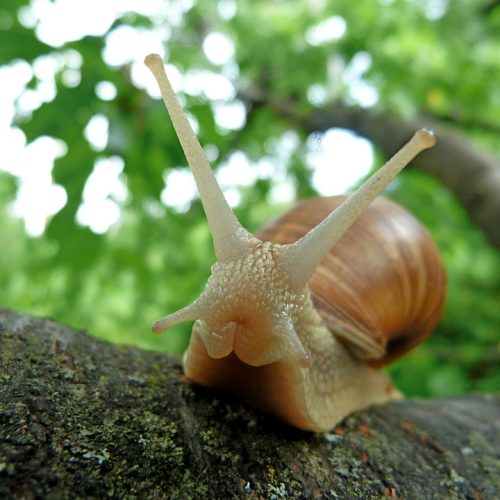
(392, 299)
(257, 333)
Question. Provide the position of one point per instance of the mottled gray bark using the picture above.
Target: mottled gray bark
(80, 418)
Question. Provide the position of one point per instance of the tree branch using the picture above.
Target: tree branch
(472, 174)
(490, 6)
(80, 418)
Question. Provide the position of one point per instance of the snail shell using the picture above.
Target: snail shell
(381, 288)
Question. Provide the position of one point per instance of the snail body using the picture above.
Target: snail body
(264, 327)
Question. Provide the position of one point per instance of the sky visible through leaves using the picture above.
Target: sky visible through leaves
(64, 21)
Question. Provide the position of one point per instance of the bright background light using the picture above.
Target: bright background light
(337, 159)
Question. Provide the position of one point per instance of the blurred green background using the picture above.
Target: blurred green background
(90, 233)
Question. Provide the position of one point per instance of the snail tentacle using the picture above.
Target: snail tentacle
(231, 239)
(189, 313)
(303, 257)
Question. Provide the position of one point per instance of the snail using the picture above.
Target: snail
(297, 321)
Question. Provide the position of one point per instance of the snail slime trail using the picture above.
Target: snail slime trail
(297, 320)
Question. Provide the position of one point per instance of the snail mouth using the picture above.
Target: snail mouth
(254, 341)
(261, 346)
(219, 342)
(253, 344)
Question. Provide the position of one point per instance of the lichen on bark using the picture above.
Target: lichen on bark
(80, 418)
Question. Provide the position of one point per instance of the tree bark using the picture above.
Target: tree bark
(472, 174)
(82, 419)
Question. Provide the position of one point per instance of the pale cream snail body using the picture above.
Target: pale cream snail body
(296, 320)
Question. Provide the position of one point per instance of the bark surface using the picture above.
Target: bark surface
(80, 418)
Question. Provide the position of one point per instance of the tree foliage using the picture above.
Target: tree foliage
(406, 57)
